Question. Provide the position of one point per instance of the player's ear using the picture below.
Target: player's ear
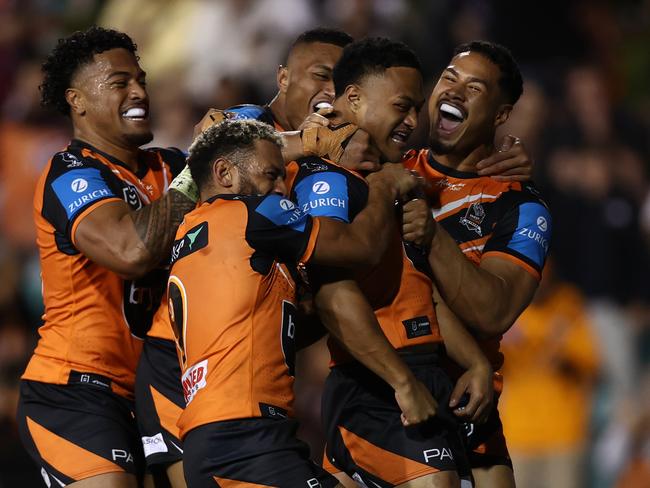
(223, 172)
(352, 96)
(282, 78)
(503, 113)
(76, 101)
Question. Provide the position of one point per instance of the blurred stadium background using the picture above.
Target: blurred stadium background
(576, 404)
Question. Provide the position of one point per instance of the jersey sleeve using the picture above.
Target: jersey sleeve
(71, 190)
(324, 194)
(248, 111)
(523, 236)
(278, 227)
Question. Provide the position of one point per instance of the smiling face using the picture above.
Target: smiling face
(386, 106)
(306, 81)
(466, 105)
(109, 100)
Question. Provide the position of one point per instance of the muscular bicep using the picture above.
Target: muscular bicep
(518, 287)
(340, 244)
(108, 237)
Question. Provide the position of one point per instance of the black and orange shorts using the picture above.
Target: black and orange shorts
(365, 435)
(78, 430)
(254, 452)
(486, 443)
(159, 403)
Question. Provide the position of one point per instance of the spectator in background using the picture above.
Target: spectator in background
(551, 366)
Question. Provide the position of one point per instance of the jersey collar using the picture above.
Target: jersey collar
(142, 168)
(446, 170)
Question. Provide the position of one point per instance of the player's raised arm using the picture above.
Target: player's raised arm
(488, 297)
(363, 242)
(129, 242)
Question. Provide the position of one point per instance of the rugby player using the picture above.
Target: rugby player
(232, 305)
(106, 213)
(379, 88)
(489, 240)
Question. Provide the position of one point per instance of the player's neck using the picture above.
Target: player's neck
(463, 160)
(127, 155)
(277, 107)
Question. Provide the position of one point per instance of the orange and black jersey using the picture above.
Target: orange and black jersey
(232, 306)
(93, 318)
(487, 218)
(263, 113)
(400, 295)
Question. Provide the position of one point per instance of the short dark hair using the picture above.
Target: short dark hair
(324, 35)
(69, 55)
(232, 139)
(511, 81)
(370, 56)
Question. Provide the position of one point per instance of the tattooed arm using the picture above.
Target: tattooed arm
(128, 242)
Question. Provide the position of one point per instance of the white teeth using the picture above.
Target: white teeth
(323, 105)
(135, 112)
(450, 109)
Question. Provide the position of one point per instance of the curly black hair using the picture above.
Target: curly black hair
(369, 56)
(511, 81)
(69, 55)
(232, 139)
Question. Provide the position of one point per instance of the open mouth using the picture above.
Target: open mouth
(451, 117)
(321, 103)
(400, 136)
(136, 113)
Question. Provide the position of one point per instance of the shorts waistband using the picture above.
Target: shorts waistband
(90, 379)
(423, 354)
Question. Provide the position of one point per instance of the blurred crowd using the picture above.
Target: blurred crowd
(576, 401)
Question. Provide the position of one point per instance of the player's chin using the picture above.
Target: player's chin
(394, 150)
(441, 147)
(139, 138)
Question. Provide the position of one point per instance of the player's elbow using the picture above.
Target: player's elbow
(133, 263)
(495, 327)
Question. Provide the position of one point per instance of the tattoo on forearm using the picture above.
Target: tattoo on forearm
(156, 224)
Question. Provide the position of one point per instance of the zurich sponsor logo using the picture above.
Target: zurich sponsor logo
(533, 235)
(320, 187)
(542, 224)
(323, 202)
(286, 204)
(83, 200)
(79, 185)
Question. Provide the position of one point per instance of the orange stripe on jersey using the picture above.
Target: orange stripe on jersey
(66, 457)
(311, 244)
(512, 259)
(226, 483)
(476, 244)
(328, 466)
(168, 411)
(83, 214)
(292, 171)
(457, 204)
(388, 466)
